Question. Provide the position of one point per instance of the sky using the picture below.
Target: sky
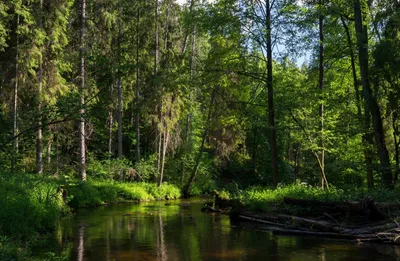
(299, 61)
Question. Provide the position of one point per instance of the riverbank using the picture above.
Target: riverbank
(32, 205)
(359, 215)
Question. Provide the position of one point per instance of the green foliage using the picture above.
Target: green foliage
(95, 193)
(107, 169)
(30, 205)
(265, 199)
(146, 168)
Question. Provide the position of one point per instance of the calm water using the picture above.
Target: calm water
(180, 231)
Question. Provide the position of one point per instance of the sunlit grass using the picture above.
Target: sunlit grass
(263, 199)
(94, 193)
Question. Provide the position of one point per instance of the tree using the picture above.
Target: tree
(360, 11)
(271, 109)
(82, 129)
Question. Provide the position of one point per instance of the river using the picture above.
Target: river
(178, 230)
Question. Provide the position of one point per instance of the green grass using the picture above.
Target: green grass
(267, 199)
(95, 193)
(30, 207)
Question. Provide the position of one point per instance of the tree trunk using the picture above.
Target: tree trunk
(164, 152)
(371, 102)
(366, 122)
(39, 138)
(158, 106)
(110, 125)
(188, 28)
(137, 96)
(119, 89)
(15, 104)
(156, 45)
(271, 109)
(396, 146)
(187, 187)
(82, 129)
(119, 116)
(368, 140)
(321, 89)
(48, 151)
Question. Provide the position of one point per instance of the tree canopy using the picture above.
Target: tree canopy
(202, 93)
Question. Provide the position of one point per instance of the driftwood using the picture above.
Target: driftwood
(260, 221)
(210, 209)
(295, 232)
(361, 221)
(383, 232)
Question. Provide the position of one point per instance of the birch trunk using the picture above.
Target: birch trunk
(82, 127)
(39, 138)
(15, 105)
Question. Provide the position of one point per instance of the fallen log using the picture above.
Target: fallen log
(311, 223)
(291, 221)
(210, 209)
(260, 221)
(375, 229)
(295, 232)
(382, 232)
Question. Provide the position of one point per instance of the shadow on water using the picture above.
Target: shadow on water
(180, 231)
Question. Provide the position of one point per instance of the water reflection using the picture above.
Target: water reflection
(81, 245)
(162, 250)
(180, 231)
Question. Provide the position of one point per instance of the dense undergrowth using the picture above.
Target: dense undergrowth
(267, 199)
(96, 193)
(32, 205)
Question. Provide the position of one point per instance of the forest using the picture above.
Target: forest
(155, 99)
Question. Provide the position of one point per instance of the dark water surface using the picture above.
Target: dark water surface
(180, 231)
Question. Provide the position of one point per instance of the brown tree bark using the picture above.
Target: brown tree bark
(367, 137)
(110, 124)
(159, 107)
(370, 99)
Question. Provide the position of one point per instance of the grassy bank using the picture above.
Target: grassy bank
(266, 199)
(95, 193)
(31, 206)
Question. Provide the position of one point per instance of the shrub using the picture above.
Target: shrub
(94, 193)
(262, 199)
(107, 169)
(29, 205)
